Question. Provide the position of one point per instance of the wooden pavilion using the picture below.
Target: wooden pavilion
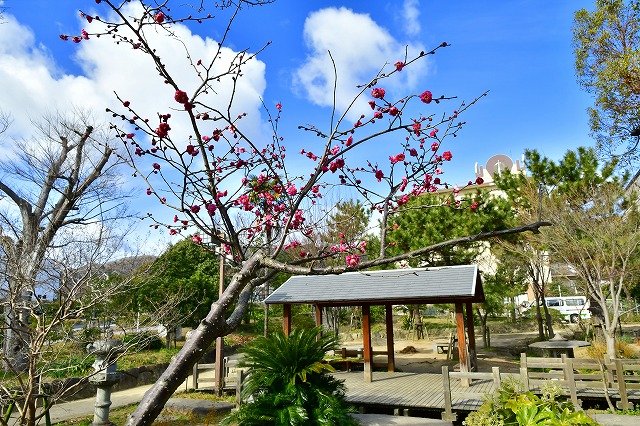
(460, 285)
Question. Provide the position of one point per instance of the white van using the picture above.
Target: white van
(572, 307)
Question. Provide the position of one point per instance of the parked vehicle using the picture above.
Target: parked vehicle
(573, 308)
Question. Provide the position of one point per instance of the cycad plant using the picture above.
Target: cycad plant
(289, 382)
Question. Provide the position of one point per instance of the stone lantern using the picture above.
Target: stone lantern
(104, 376)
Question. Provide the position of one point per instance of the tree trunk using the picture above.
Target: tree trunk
(549, 322)
(610, 340)
(212, 327)
(483, 327)
(265, 293)
(541, 334)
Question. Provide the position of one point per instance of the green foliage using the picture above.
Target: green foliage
(350, 219)
(431, 219)
(149, 357)
(346, 224)
(607, 61)
(509, 406)
(577, 172)
(509, 280)
(290, 383)
(186, 270)
(88, 335)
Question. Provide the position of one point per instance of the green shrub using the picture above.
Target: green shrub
(509, 406)
(303, 320)
(290, 382)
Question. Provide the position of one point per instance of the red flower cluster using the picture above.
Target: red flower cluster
(426, 97)
(352, 259)
(396, 159)
(378, 92)
(191, 150)
(163, 130)
(181, 97)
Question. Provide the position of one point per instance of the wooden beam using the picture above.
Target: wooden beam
(462, 343)
(471, 332)
(391, 361)
(366, 342)
(286, 318)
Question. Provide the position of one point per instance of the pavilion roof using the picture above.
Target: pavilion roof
(447, 284)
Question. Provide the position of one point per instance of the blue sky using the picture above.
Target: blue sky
(520, 51)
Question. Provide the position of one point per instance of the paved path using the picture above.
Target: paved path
(85, 407)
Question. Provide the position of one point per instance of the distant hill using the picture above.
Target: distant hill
(127, 265)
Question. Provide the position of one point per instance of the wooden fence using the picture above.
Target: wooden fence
(230, 377)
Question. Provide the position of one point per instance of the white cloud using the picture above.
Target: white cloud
(360, 48)
(32, 84)
(411, 17)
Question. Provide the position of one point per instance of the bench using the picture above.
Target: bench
(446, 346)
(350, 357)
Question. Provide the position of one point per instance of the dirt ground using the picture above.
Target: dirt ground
(418, 356)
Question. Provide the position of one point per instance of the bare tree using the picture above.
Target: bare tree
(60, 179)
(62, 216)
(204, 175)
(597, 233)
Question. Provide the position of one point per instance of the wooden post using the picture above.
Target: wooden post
(448, 414)
(391, 360)
(473, 353)
(495, 371)
(195, 376)
(462, 343)
(571, 382)
(241, 376)
(366, 342)
(318, 315)
(219, 377)
(524, 372)
(286, 318)
(622, 385)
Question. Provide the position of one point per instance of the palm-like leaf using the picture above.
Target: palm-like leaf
(290, 383)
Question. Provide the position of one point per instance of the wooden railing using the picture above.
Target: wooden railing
(618, 379)
(587, 377)
(466, 379)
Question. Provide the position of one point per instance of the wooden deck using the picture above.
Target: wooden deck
(409, 391)
(422, 391)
